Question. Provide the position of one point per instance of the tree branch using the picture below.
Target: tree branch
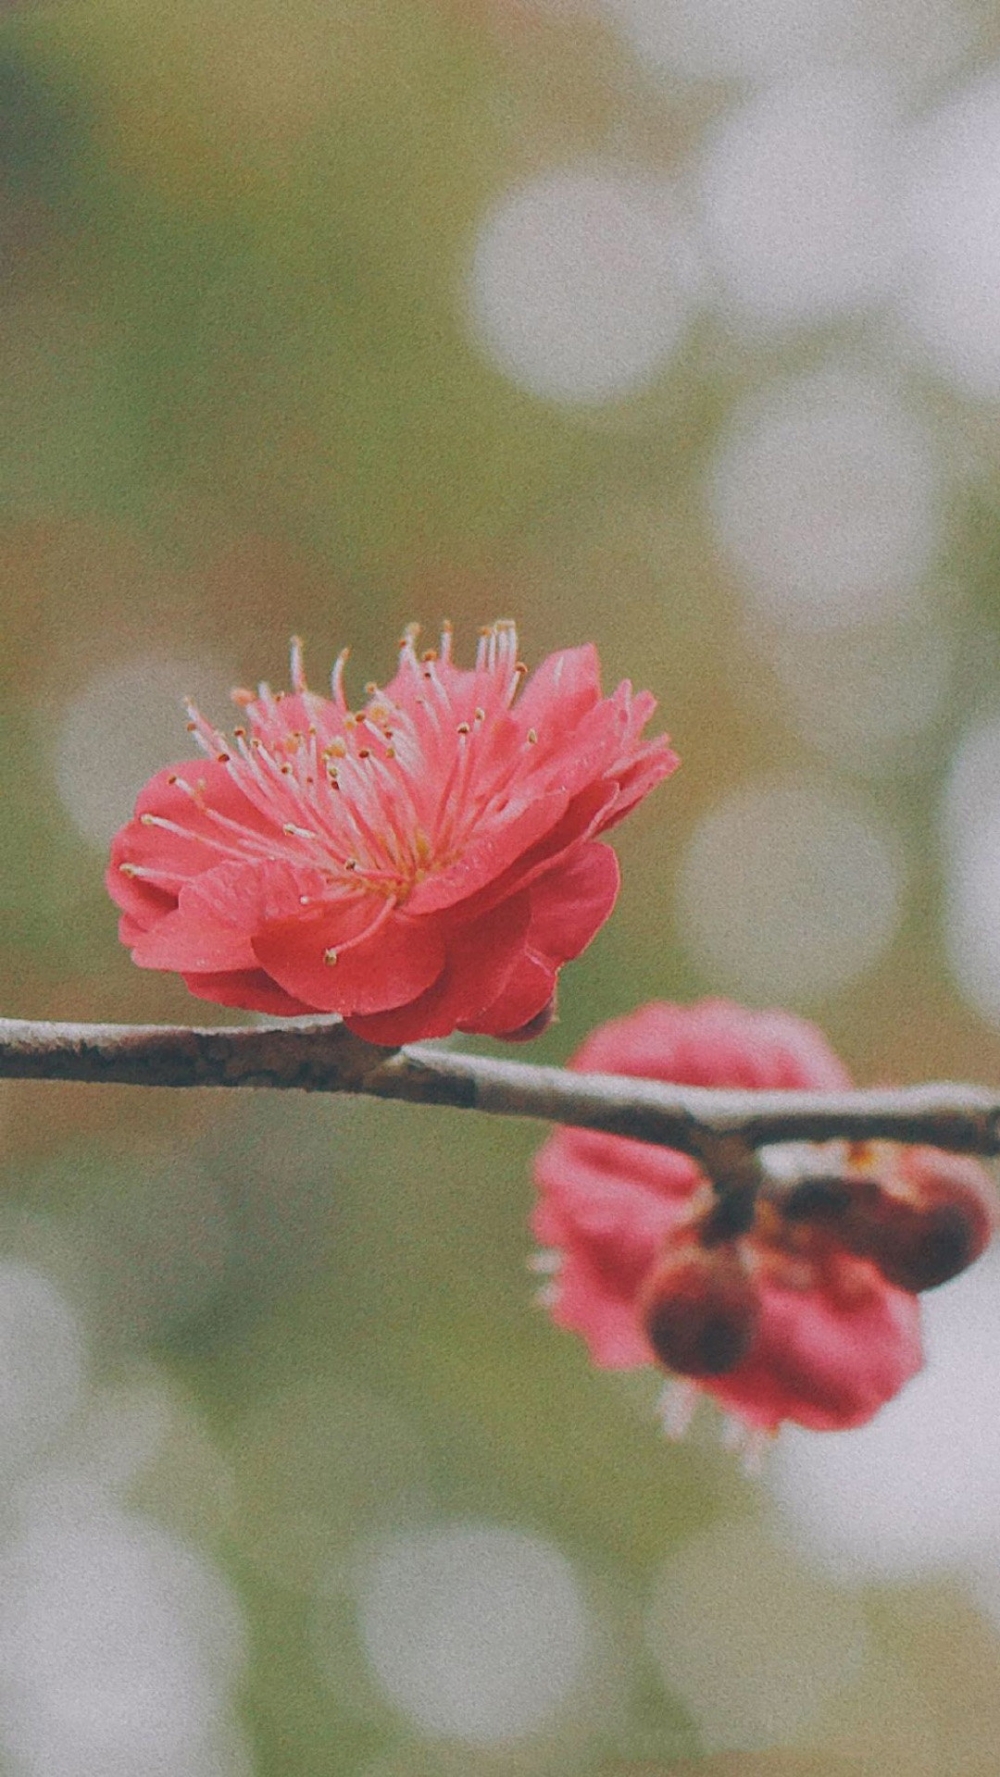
(321, 1055)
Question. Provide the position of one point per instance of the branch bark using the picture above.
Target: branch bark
(320, 1055)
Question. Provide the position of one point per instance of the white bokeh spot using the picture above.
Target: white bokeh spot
(475, 1632)
(799, 200)
(787, 891)
(950, 290)
(826, 498)
(580, 284)
(123, 726)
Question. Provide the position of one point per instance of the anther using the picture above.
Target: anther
(128, 870)
(371, 688)
(464, 728)
(240, 733)
(172, 779)
(531, 737)
(147, 820)
(480, 715)
(329, 957)
(350, 863)
(364, 752)
(286, 770)
(520, 669)
(222, 758)
(429, 654)
(192, 727)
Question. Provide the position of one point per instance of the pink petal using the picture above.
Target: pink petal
(394, 965)
(219, 913)
(177, 857)
(562, 689)
(489, 857)
(715, 1043)
(194, 946)
(827, 1361)
(583, 1303)
(249, 988)
(527, 992)
(584, 816)
(570, 902)
(481, 956)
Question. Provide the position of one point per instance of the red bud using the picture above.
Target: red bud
(700, 1312)
(919, 1235)
(918, 1245)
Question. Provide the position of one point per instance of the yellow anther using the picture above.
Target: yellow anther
(329, 957)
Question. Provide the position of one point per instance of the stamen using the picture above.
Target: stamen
(546, 1262)
(337, 678)
(676, 1408)
(298, 676)
(749, 1442)
(332, 956)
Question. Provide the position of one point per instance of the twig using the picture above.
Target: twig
(320, 1055)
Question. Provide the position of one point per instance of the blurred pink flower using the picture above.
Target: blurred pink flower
(811, 1314)
(423, 864)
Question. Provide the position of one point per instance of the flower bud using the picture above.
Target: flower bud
(700, 1312)
(920, 1240)
(925, 1230)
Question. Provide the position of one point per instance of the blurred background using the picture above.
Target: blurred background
(670, 324)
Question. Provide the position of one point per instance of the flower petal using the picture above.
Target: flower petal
(504, 839)
(481, 956)
(563, 688)
(715, 1043)
(527, 991)
(828, 1359)
(249, 988)
(380, 963)
(218, 914)
(571, 902)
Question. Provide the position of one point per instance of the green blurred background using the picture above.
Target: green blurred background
(674, 328)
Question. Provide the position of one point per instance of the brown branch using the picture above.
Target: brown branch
(320, 1055)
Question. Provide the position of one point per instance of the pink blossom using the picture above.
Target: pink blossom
(811, 1314)
(424, 863)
